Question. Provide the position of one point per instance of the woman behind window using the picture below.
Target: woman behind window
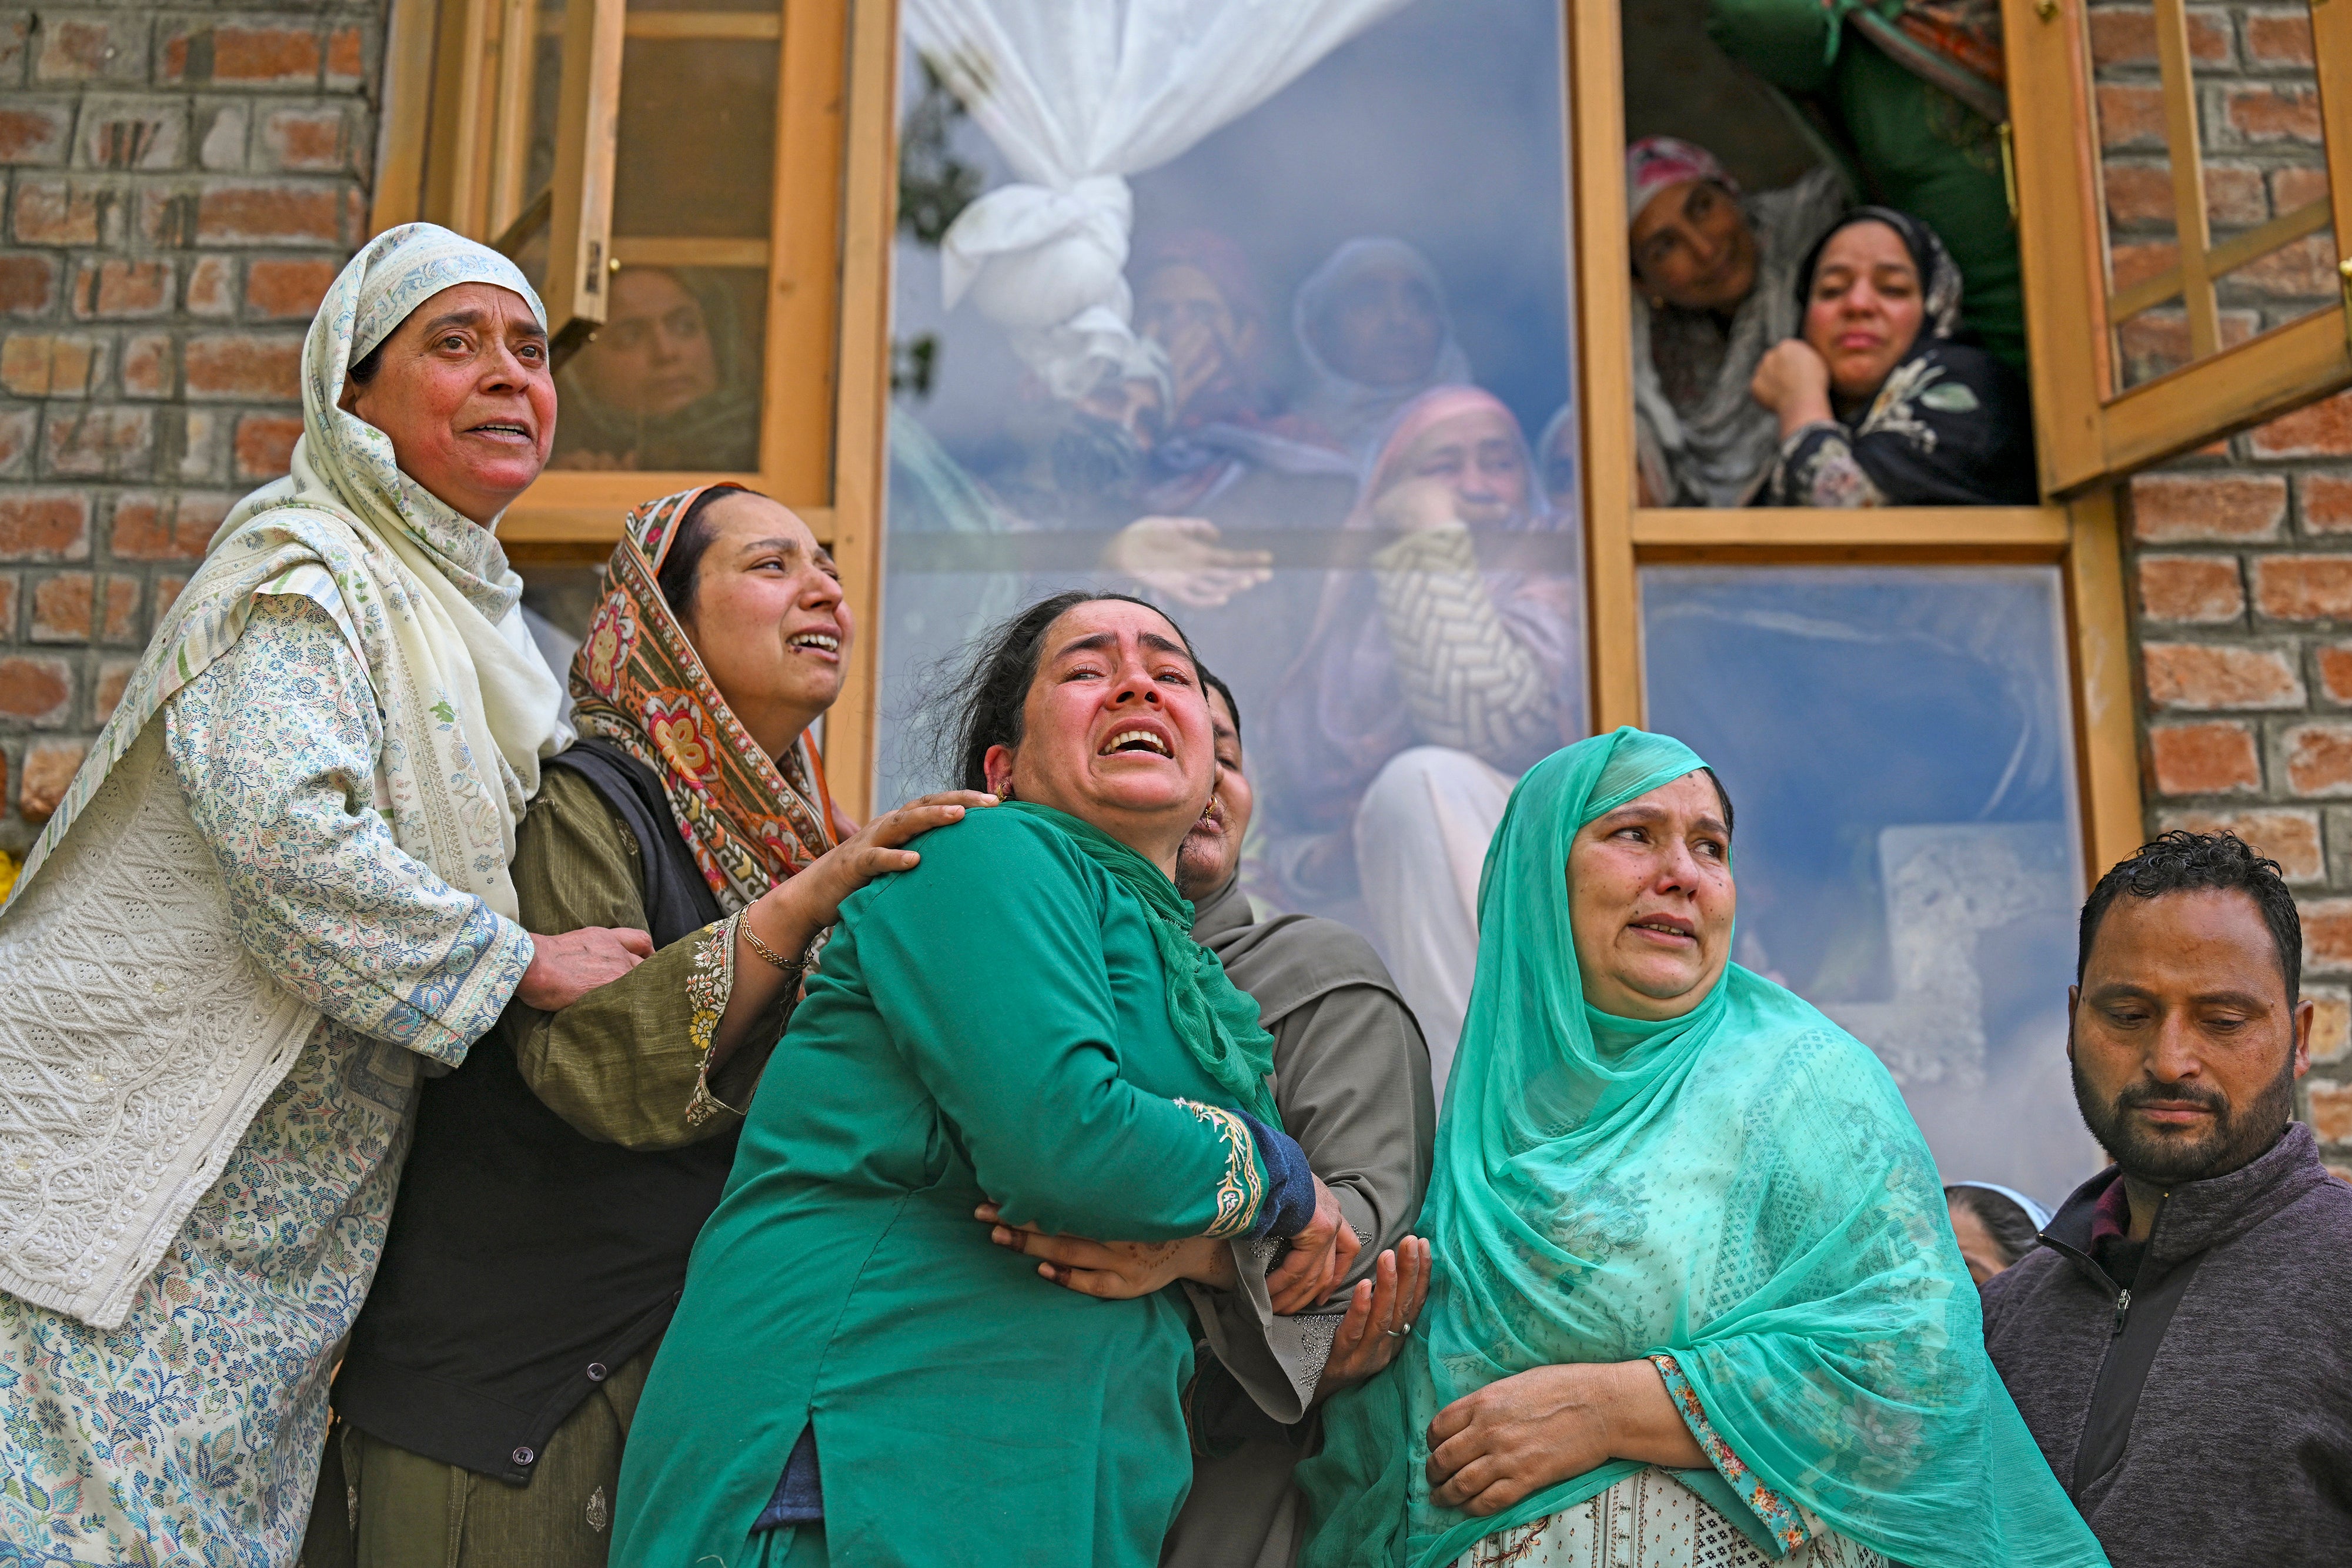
(1695, 1299)
(1879, 403)
(1712, 272)
(1022, 1018)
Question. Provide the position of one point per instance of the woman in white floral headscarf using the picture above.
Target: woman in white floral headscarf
(278, 888)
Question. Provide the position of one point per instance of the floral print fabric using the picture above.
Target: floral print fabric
(1651, 1520)
(751, 821)
(1778, 1513)
(192, 1433)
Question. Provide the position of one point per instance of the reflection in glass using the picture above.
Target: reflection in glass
(669, 380)
(672, 381)
(2262, 162)
(1268, 361)
(1899, 746)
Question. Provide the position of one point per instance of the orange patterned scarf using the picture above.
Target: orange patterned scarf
(750, 821)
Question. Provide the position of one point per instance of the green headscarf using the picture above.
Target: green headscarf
(1216, 1019)
(1741, 1187)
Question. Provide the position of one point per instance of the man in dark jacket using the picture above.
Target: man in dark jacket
(2179, 1344)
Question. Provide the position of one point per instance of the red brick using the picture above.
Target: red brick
(147, 365)
(2329, 1111)
(2154, 341)
(2203, 676)
(2137, 192)
(80, 48)
(212, 286)
(2326, 933)
(2335, 672)
(34, 132)
(2295, 188)
(2303, 587)
(114, 676)
(17, 427)
(167, 589)
(2136, 264)
(7, 607)
(307, 138)
(149, 527)
(100, 442)
(345, 65)
(2305, 269)
(203, 445)
(27, 284)
(133, 133)
(2197, 590)
(2278, 38)
(44, 525)
(123, 290)
(35, 689)
(50, 769)
(287, 290)
(61, 608)
(2170, 507)
(2288, 837)
(119, 609)
(269, 214)
(2234, 196)
(2204, 759)
(2129, 114)
(2327, 503)
(245, 367)
(44, 365)
(2123, 36)
(265, 57)
(2322, 429)
(2331, 1024)
(2318, 758)
(265, 445)
(54, 212)
(2271, 113)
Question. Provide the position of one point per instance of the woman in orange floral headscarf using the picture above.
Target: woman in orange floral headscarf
(559, 1178)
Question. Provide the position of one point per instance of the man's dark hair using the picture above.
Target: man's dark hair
(1209, 679)
(2183, 861)
(982, 704)
(681, 568)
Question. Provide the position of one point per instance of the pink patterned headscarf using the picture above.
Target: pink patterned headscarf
(1654, 162)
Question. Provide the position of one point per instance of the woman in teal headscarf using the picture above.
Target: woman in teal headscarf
(1696, 1290)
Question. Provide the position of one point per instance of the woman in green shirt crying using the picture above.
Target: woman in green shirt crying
(1024, 1020)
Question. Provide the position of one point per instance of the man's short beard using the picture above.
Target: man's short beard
(2235, 1138)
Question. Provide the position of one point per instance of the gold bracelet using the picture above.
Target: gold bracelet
(789, 966)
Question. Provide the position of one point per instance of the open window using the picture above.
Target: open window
(668, 172)
(2182, 172)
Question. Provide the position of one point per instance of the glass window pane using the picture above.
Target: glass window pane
(2252, 97)
(1321, 326)
(1899, 744)
(674, 378)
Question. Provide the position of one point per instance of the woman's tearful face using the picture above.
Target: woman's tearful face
(1651, 901)
(1115, 731)
(1867, 309)
(463, 388)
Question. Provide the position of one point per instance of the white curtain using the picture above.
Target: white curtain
(1078, 94)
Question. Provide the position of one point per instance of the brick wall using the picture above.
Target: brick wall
(177, 189)
(2243, 553)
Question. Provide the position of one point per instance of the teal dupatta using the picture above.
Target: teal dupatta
(1216, 1019)
(1741, 1187)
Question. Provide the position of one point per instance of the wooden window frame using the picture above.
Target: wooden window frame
(1622, 537)
(838, 151)
(2090, 432)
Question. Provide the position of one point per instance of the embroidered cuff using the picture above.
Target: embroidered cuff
(1241, 1191)
(1778, 1513)
(1289, 1204)
(707, 991)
